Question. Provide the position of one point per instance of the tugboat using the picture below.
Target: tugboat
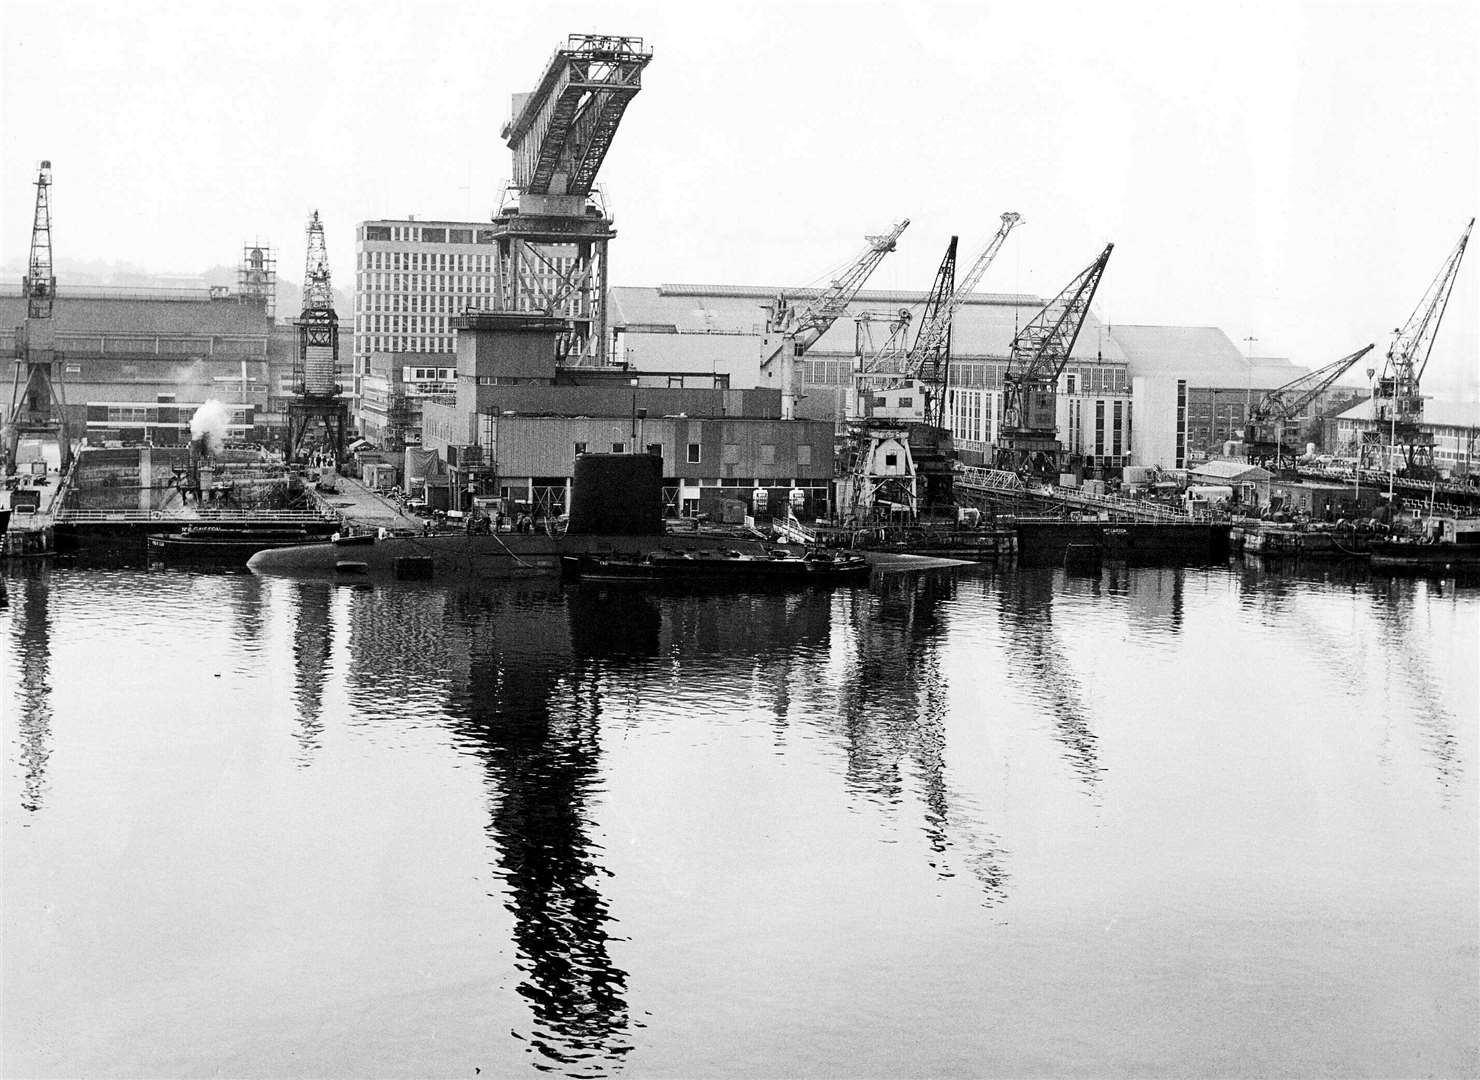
(771, 566)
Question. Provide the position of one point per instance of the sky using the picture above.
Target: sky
(1291, 172)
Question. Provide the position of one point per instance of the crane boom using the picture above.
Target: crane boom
(1289, 401)
(1264, 434)
(1029, 385)
(935, 329)
(791, 331)
(808, 322)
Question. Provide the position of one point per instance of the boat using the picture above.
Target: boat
(1452, 545)
(768, 566)
(225, 543)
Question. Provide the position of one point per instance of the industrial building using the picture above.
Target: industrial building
(135, 363)
(517, 421)
(1454, 426)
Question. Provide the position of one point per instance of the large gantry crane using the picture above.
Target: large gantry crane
(37, 407)
(1028, 438)
(1264, 436)
(553, 227)
(1398, 402)
(316, 363)
(792, 329)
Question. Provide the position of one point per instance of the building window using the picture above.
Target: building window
(804, 455)
(907, 402)
(693, 453)
(619, 448)
(580, 448)
(768, 454)
(891, 461)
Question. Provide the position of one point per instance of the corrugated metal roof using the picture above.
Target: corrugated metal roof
(984, 325)
(134, 316)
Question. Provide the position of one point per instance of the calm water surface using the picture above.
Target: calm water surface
(1154, 822)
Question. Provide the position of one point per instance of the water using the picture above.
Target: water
(1152, 822)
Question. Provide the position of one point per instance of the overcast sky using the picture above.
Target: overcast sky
(1293, 172)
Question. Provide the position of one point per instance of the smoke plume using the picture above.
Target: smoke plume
(208, 427)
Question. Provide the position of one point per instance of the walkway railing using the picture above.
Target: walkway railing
(202, 516)
(1001, 482)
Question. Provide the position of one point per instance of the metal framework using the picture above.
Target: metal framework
(1029, 434)
(316, 363)
(1264, 436)
(928, 358)
(1398, 400)
(561, 132)
(37, 406)
(793, 329)
(553, 228)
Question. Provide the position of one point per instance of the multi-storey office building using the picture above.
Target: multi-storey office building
(411, 279)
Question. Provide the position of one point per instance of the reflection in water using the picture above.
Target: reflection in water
(1393, 600)
(893, 705)
(537, 738)
(1026, 608)
(313, 632)
(32, 633)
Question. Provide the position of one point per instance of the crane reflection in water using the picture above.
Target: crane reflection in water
(31, 629)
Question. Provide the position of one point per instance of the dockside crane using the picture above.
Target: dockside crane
(37, 406)
(1398, 401)
(1028, 439)
(1264, 436)
(792, 329)
(316, 363)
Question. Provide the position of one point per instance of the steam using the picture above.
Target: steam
(208, 427)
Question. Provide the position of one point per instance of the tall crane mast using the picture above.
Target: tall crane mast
(934, 355)
(791, 330)
(36, 404)
(1399, 403)
(1264, 435)
(316, 364)
(1029, 434)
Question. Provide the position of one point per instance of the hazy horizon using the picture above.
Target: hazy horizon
(1292, 173)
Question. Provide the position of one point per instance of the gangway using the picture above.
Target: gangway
(983, 481)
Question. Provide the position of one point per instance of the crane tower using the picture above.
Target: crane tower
(316, 364)
(553, 228)
(37, 407)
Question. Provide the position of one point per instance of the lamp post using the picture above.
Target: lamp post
(1249, 377)
(633, 444)
(1361, 433)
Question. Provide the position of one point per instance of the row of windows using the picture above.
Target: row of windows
(730, 452)
(396, 286)
(365, 344)
(976, 374)
(403, 324)
(425, 234)
(424, 261)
